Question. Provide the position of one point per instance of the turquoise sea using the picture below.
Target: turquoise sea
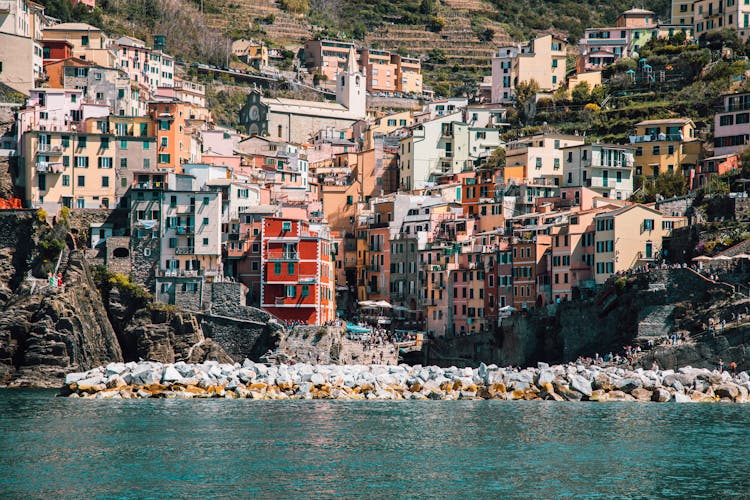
(59, 448)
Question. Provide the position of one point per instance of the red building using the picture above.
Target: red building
(297, 271)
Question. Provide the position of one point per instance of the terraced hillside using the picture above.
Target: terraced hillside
(262, 16)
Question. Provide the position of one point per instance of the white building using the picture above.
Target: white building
(604, 168)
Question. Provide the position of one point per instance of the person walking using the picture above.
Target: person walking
(733, 368)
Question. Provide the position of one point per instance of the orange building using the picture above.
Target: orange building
(172, 133)
(297, 283)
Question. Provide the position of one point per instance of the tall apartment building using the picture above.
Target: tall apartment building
(21, 56)
(541, 59)
(297, 271)
(537, 157)
(385, 71)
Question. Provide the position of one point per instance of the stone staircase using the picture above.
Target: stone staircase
(656, 322)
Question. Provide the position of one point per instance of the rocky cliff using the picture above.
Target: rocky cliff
(612, 319)
(94, 319)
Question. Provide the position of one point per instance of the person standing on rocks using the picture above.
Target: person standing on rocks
(733, 368)
(721, 365)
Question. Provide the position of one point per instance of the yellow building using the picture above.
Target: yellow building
(388, 123)
(71, 169)
(668, 145)
(89, 42)
(628, 237)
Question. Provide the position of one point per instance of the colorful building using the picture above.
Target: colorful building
(297, 271)
(668, 145)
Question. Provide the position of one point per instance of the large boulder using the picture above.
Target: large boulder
(580, 384)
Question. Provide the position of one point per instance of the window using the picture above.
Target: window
(305, 290)
(538, 163)
(123, 163)
(290, 267)
(42, 182)
(291, 291)
(164, 158)
(66, 161)
(105, 181)
(648, 224)
(81, 181)
(277, 268)
(105, 162)
(65, 141)
(205, 221)
(82, 142)
(146, 145)
(656, 150)
(82, 161)
(205, 242)
(85, 40)
(164, 142)
(66, 180)
(742, 118)
(146, 163)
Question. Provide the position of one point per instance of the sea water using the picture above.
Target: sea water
(65, 448)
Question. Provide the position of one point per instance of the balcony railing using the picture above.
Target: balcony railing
(635, 139)
(48, 149)
(184, 250)
(185, 229)
(308, 278)
(283, 256)
(44, 167)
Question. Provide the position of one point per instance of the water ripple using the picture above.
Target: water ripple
(59, 448)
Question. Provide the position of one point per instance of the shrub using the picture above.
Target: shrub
(41, 216)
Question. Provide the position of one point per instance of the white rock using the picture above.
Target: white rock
(580, 384)
(171, 375)
(114, 369)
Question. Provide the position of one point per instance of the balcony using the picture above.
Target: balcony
(48, 149)
(185, 230)
(45, 167)
(285, 256)
(636, 139)
(184, 250)
(5, 6)
(307, 278)
(427, 302)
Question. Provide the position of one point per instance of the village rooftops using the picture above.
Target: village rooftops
(664, 121)
(618, 211)
(72, 27)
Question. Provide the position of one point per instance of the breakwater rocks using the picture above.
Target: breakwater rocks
(570, 382)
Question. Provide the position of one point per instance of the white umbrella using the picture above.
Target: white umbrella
(367, 303)
(507, 309)
(383, 304)
(702, 258)
(722, 257)
(742, 256)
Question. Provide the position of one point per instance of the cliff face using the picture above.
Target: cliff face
(614, 318)
(45, 332)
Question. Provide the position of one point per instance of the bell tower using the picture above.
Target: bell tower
(351, 88)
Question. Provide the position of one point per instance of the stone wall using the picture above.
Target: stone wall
(240, 339)
(144, 259)
(118, 254)
(228, 299)
(742, 209)
(81, 219)
(675, 206)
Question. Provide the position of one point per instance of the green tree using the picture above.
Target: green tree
(670, 184)
(437, 56)
(580, 93)
(486, 35)
(496, 159)
(524, 91)
(428, 7)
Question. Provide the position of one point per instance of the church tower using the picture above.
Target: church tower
(351, 90)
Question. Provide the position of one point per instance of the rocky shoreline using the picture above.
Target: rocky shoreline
(571, 382)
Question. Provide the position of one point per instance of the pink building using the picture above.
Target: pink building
(600, 47)
(715, 165)
(732, 125)
(144, 65)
